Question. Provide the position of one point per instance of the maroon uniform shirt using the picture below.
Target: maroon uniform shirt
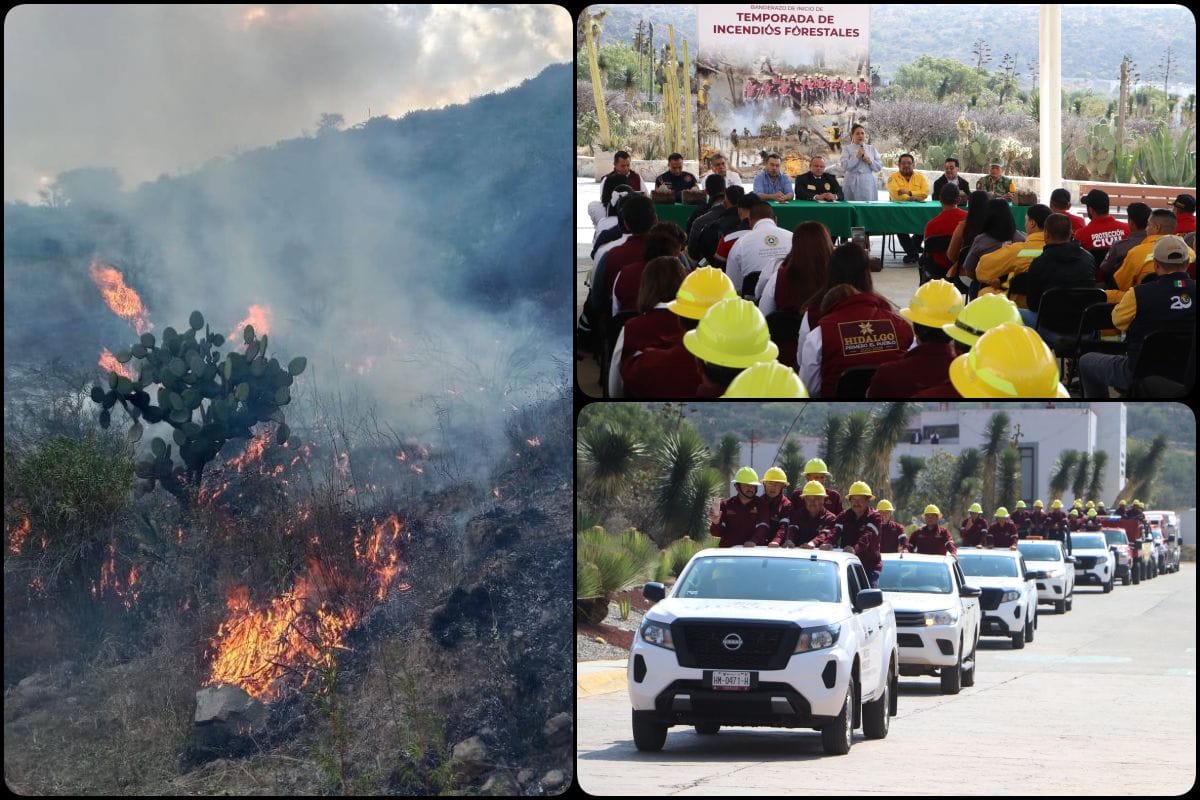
(833, 500)
(631, 251)
(741, 522)
(1002, 534)
(973, 531)
(1055, 519)
(1019, 517)
(861, 533)
(1074, 523)
(925, 366)
(805, 527)
(892, 537)
(661, 373)
(781, 517)
(658, 327)
(935, 541)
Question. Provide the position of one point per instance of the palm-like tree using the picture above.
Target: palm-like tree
(831, 436)
(1083, 472)
(887, 429)
(1142, 467)
(910, 469)
(725, 459)
(995, 442)
(608, 456)
(1061, 477)
(1008, 479)
(1096, 484)
(965, 484)
(679, 510)
(791, 461)
(853, 446)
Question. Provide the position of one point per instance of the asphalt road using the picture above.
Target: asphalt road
(1102, 702)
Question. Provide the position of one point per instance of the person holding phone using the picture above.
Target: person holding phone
(860, 162)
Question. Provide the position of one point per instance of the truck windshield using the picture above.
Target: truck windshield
(787, 579)
(987, 566)
(913, 576)
(1088, 541)
(1114, 537)
(1041, 551)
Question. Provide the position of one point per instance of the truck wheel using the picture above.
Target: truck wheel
(649, 735)
(1030, 627)
(952, 676)
(837, 736)
(708, 728)
(1125, 578)
(1108, 587)
(1136, 571)
(875, 717)
(968, 673)
(1018, 640)
(1060, 606)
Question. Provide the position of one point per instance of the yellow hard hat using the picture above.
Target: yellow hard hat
(1020, 504)
(978, 509)
(1001, 513)
(775, 474)
(768, 379)
(1078, 503)
(932, 509)
(885, 505)
(815, 466)
(1091, 503)
(1056, 504)
(1037, 503)
(936, 304)
(813, 489)
(701, 290)
(1137, 503)
(981, 315)
(746, 475)
(859, 488)
(1120, 502)
(1007, 361)
(1074, 512)
(733, 333)
(1091, 512)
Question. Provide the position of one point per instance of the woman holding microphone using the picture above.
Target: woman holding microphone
(860, 162)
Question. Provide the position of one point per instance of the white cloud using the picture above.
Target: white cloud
(152, 89)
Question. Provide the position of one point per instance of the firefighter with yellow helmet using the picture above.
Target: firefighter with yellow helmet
(1093, 522)
(932, 539)
(856, 531)
(1002, 532)
(775, 485)
(1074, 521)
(815, 470)
(892, 538)
(743, 518)
(973, 529)
(810, 518)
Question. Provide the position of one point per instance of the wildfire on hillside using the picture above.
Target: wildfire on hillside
(110, 582)
(109, 362)
(18, 534)
(120, 298)
(259, 316)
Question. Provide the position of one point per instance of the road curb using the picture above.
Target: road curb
(592, 678)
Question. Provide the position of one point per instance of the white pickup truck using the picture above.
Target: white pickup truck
(1010, 596)
(937, 617)
(768, 638)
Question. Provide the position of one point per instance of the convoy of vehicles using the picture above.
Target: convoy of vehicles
(1095, 563)
(1123, 551)
(1058, 587)
(1010, 597)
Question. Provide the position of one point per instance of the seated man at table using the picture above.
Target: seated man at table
(1139, 261)
(1060, 203)
(772, 183)
(764, 246)
(720, 167)
(676, 177)
(817, 184)
(944, 224)
(903, 186)
(714, 187)
(1145, 309)
(1062, 264)
(997, 184)
(951, 176)
(997, 268)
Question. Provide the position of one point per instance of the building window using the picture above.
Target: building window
(947, 434)
(1028, 473)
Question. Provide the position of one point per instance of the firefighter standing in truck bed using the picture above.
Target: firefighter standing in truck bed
(974, 528)
(933, 539)
(744, 517)
(775, 485)
(856, 531)
(810, 519)
(815, 470)
(892, 538)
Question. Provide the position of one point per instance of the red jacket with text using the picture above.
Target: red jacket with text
(860, 331)
(892, 537)
(935, 541)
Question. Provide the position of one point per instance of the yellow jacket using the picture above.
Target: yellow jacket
(1138, 263)
(916, 184)
(1009, 260)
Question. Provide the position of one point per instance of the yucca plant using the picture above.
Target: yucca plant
(910, 469)
(608, 455)
(887, 429)
(725, 459)
(1060, 477)
(791, 461)
(853, 447)
(681, 551)
(1096, 484)
(995, 442)
(619, 561)
(1083, 472)
(685, 485)
(1008, 483)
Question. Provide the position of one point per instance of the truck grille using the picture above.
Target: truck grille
(701, 645)
(990, 599)
(1086, 562)
(910, 619)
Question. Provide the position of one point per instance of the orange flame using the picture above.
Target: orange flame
(109, 362)
(18, 535)
(253, 453)
(112, 585)
(259, 317)
(121, 300)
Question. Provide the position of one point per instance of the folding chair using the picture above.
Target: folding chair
(928, 267)
(1095, 319)
(748, 285)
(1061, 309)
(1162, 356)
(785, 333)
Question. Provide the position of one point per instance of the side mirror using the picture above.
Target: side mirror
(1070, 559)
(970, 591)
(654, 591)
(868, 598)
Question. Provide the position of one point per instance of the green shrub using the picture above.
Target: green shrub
(74, 485)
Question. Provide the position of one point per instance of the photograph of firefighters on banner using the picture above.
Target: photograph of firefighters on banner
(791, 80)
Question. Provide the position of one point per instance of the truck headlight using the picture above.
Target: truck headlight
(656, 633)
(1009, 596)
(817, 638)
(947, 616)
(1057, 572)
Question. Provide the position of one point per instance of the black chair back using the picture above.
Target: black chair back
(853, 383)
(1162, 354)
(785, 333)
(927, 267)
(748, 285)
(1061, 309)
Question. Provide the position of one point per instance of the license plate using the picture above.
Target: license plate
(731, 681)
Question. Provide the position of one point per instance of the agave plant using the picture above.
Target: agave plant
(608, 563)
(1164, 160)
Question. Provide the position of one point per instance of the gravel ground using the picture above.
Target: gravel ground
(588, 649)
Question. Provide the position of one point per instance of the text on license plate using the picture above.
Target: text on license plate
(730, 680)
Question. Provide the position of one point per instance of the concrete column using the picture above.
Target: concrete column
(1050, 106)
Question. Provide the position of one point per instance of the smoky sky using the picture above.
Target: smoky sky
(162, 89)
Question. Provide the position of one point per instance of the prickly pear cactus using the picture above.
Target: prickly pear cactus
(208, 399)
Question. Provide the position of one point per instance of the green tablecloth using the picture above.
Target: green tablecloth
(840, 217)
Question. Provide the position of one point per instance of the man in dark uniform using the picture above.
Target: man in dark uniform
(1020, 518)
(815, 470)
(933, 539)
(1056, 518)
(856, 531)
(675, 177)
(775, 484)
(892, 538)
(817, 184)
(1093, 522)
(951, 176)
(974, 528)
(1002, 532)
(810, 518)
(1074, 521)
(1037, 519)
(744, 517)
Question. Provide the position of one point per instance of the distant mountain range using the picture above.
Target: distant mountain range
(1094, 37)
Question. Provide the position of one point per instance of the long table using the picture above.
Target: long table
(841, 216)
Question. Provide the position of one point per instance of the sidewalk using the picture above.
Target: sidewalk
(599, 677)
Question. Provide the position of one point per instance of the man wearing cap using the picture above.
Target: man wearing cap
(997, 268)
(997, 184)
(721, 167)
(815, 470)
(892, 538)
(1002, 532)
(743, 518)
(676, 177)
(935, 304)
(932, 539)
(817, 184)
(775, 485)
(772, 183)
(856, 531)
(1103, 230)
(810, 517)
(1138, 215)
(1060, 203)
(731, 336)
(1168, 303)
(1062, 264)
(1139, 262)
(973, 530)
(764, 246)
(951, 176)
(1185, 213)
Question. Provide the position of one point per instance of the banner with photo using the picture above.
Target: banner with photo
(789, 79)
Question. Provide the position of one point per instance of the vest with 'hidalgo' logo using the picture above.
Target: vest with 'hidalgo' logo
(860, 331)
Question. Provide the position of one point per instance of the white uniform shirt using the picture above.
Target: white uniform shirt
(761, 249)
(731, 178)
